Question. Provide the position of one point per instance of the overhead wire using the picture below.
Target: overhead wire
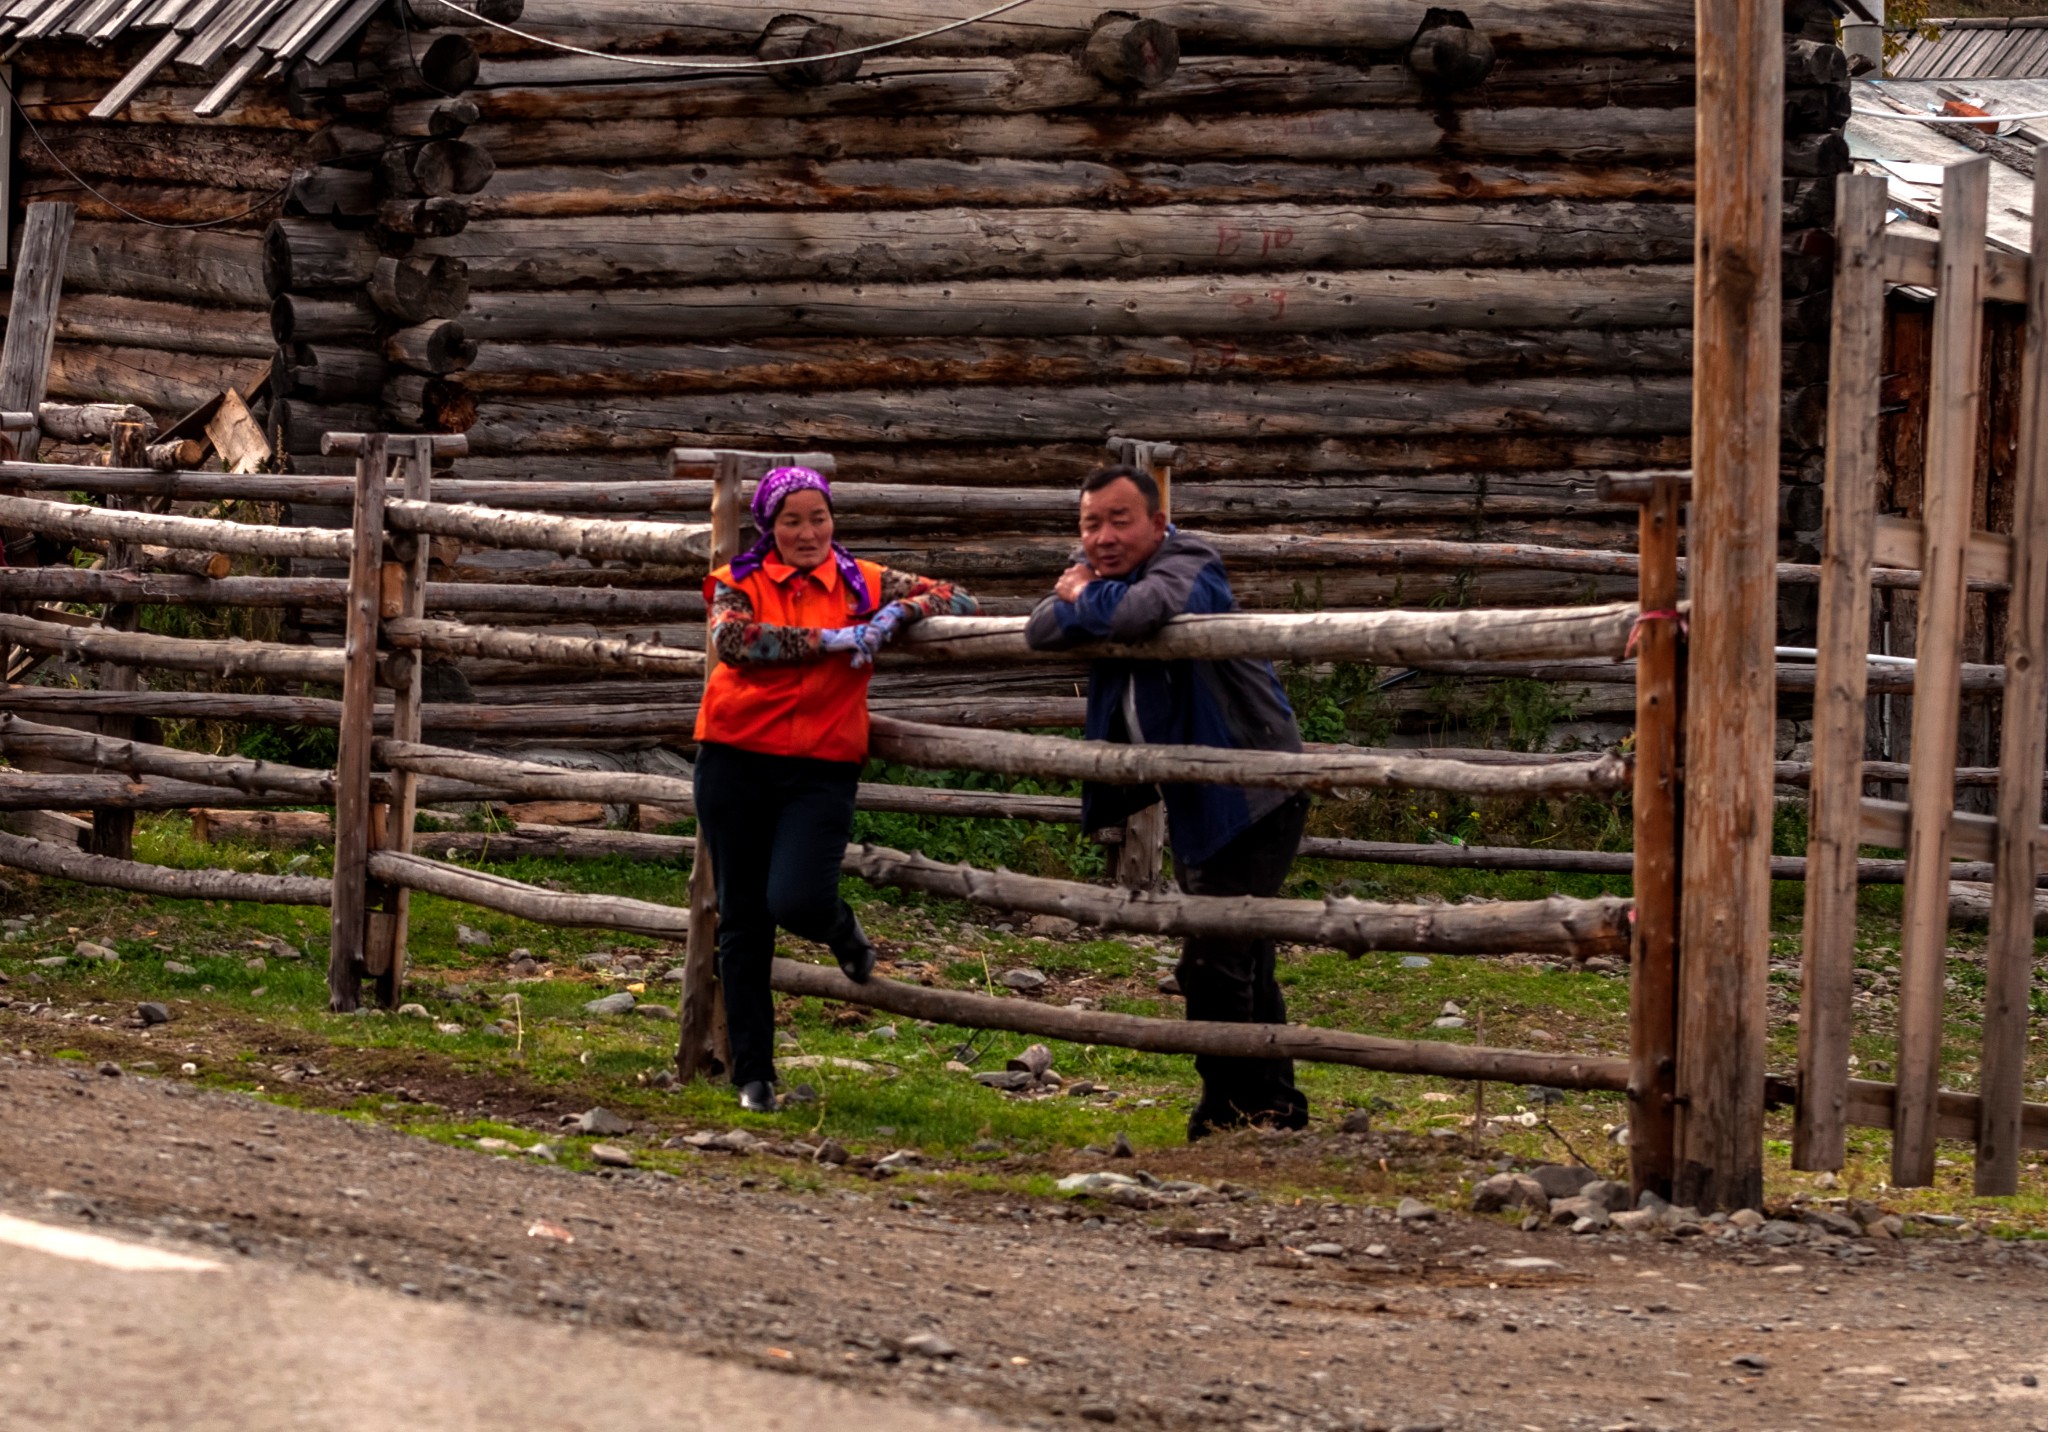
(659, 62)
(273, 197)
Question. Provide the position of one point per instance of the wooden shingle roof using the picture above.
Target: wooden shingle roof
(1988, 49)
(250, 38)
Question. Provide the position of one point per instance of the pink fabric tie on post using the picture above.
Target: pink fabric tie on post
(1635, 633)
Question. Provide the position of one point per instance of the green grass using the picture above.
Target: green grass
(259, 1028)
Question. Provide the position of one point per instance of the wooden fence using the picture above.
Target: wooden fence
(387, 766)
(1949, 556)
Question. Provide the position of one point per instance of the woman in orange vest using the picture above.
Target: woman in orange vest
(782, 733)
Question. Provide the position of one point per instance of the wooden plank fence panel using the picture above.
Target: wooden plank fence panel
(1841, 675)
(2009, 950)
(1953, 403)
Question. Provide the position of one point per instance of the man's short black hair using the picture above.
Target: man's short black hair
(1124, 472)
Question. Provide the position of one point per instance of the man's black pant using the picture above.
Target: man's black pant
(776, 827)
(1232, 980)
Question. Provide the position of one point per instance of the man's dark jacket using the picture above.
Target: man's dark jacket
(1236, 704)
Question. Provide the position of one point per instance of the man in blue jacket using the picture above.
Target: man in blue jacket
(1135, 572)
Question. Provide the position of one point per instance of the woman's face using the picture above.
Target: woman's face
(803, 529)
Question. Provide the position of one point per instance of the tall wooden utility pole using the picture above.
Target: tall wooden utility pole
(1725, 911)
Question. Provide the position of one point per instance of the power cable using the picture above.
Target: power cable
(127, 213)
(659, 63)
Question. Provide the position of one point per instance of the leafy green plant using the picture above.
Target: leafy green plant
(1339, 703)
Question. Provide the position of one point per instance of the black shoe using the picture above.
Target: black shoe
(758, 1097)
(856, 954)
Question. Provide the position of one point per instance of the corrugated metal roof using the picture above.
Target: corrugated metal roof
(1912, 156)
(1977, 49)
(255, 37)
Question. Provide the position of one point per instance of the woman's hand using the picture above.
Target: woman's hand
(1072, 582)
(862, 642)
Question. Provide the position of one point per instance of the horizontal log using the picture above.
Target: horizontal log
(561, 191)
(533, 780)
(1435, 1058)
(160, 378)
(1633, 296)
(188, 266)
(318, 318)
(105, 755)
(604, 654)
(585, 369)
(647, 718)
(1957, 1115)
(89, 422)
(71, 584)
(135, 760)
(1582, 404)
(232, 657)
(204, 534)
(1559, 925)
(122, 322)
(596, 538)
(950, 243)
(1433, 469)
(109, 792)
(1597, 26)
(1015, 754)
(60, 863)
(555, 87)
(282, 829)
(1394, 638)
(1336, 135)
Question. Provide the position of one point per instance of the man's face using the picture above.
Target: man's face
(1117, 533)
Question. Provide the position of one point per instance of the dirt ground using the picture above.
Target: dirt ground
(1048, 1312)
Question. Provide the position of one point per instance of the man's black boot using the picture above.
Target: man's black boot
(758, 1097)
(854, 951)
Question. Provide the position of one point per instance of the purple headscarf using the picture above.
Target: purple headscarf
(770, 493)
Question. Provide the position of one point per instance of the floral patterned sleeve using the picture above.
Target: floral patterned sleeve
(926, 596)
(742, 641)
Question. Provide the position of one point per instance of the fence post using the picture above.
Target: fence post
(113, 831)
(402, 592)
(1954, 396)
(1725, 920)
(2009, 951)
(346, 951)
(1841, 680)
(701, 1041)
(1653, 984)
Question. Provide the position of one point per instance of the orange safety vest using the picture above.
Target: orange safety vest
(804, 708)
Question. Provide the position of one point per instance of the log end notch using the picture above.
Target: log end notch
(1132, 53)
(1448, 53)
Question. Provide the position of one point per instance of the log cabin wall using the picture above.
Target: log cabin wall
(165, 317)
(1374, 287)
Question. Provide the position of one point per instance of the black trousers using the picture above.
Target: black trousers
(1233, 981)
(776, 827)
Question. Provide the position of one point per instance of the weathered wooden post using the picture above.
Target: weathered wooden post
(32, 317)
(1724, 923)
(113, 831)
(1841, 679)
(701, 1045)
(2009, 951)
(1143, 842)
(402, 592)
(1954, 397)
(348, 916)
(1653, 980)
